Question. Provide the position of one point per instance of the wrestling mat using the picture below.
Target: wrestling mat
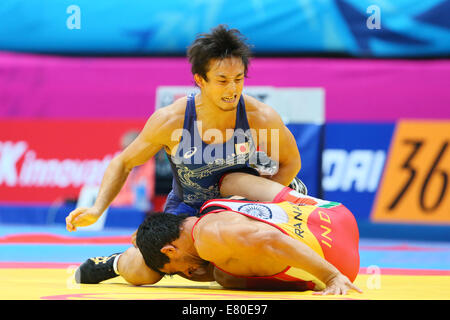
(39, 263)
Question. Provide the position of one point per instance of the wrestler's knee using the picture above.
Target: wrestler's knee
(132, 268)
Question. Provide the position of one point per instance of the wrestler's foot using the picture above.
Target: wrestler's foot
(95, 270)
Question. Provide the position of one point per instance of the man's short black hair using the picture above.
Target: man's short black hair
(220, 43)
(157, 230)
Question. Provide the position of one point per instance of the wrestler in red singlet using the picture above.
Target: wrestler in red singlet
(328, 228)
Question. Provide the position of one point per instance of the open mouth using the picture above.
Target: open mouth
(229, 99)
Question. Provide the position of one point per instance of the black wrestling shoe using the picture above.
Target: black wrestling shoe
(95, 270)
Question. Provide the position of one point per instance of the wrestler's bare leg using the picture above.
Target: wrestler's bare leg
(250, 187)
(261, 189)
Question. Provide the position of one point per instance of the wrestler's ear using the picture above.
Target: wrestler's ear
(199, 80)
(169, 250)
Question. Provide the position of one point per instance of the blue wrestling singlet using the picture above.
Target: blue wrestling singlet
(197, 166)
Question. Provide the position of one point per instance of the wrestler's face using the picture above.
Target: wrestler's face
(182, 261)
(224, 84)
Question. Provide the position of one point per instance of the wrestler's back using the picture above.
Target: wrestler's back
(331, 232)
(250, 264)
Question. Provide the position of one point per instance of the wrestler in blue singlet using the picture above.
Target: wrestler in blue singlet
(197, 166)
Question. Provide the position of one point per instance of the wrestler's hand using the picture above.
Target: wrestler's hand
(338, 284)
(81, 217)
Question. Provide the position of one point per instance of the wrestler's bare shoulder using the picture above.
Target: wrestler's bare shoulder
(172, 115)
(259, 114)
(223, 217)
(213, 224)
(226, 230)
(208, 233)
(165, 120)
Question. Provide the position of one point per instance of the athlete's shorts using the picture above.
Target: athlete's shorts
(176, 206)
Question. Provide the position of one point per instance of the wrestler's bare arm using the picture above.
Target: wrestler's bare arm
(155, 135)
(228, 281)
(277, 141)
(145, 146)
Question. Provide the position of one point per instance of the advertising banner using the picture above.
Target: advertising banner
(390, 173)
(415, 186)
(352, 163)
(44, 161)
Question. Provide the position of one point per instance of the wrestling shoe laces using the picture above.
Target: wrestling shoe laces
(97, 269)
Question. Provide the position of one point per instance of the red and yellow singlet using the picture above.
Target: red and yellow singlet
(328, 228)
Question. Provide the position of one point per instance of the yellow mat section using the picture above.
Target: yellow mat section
(32, 284)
